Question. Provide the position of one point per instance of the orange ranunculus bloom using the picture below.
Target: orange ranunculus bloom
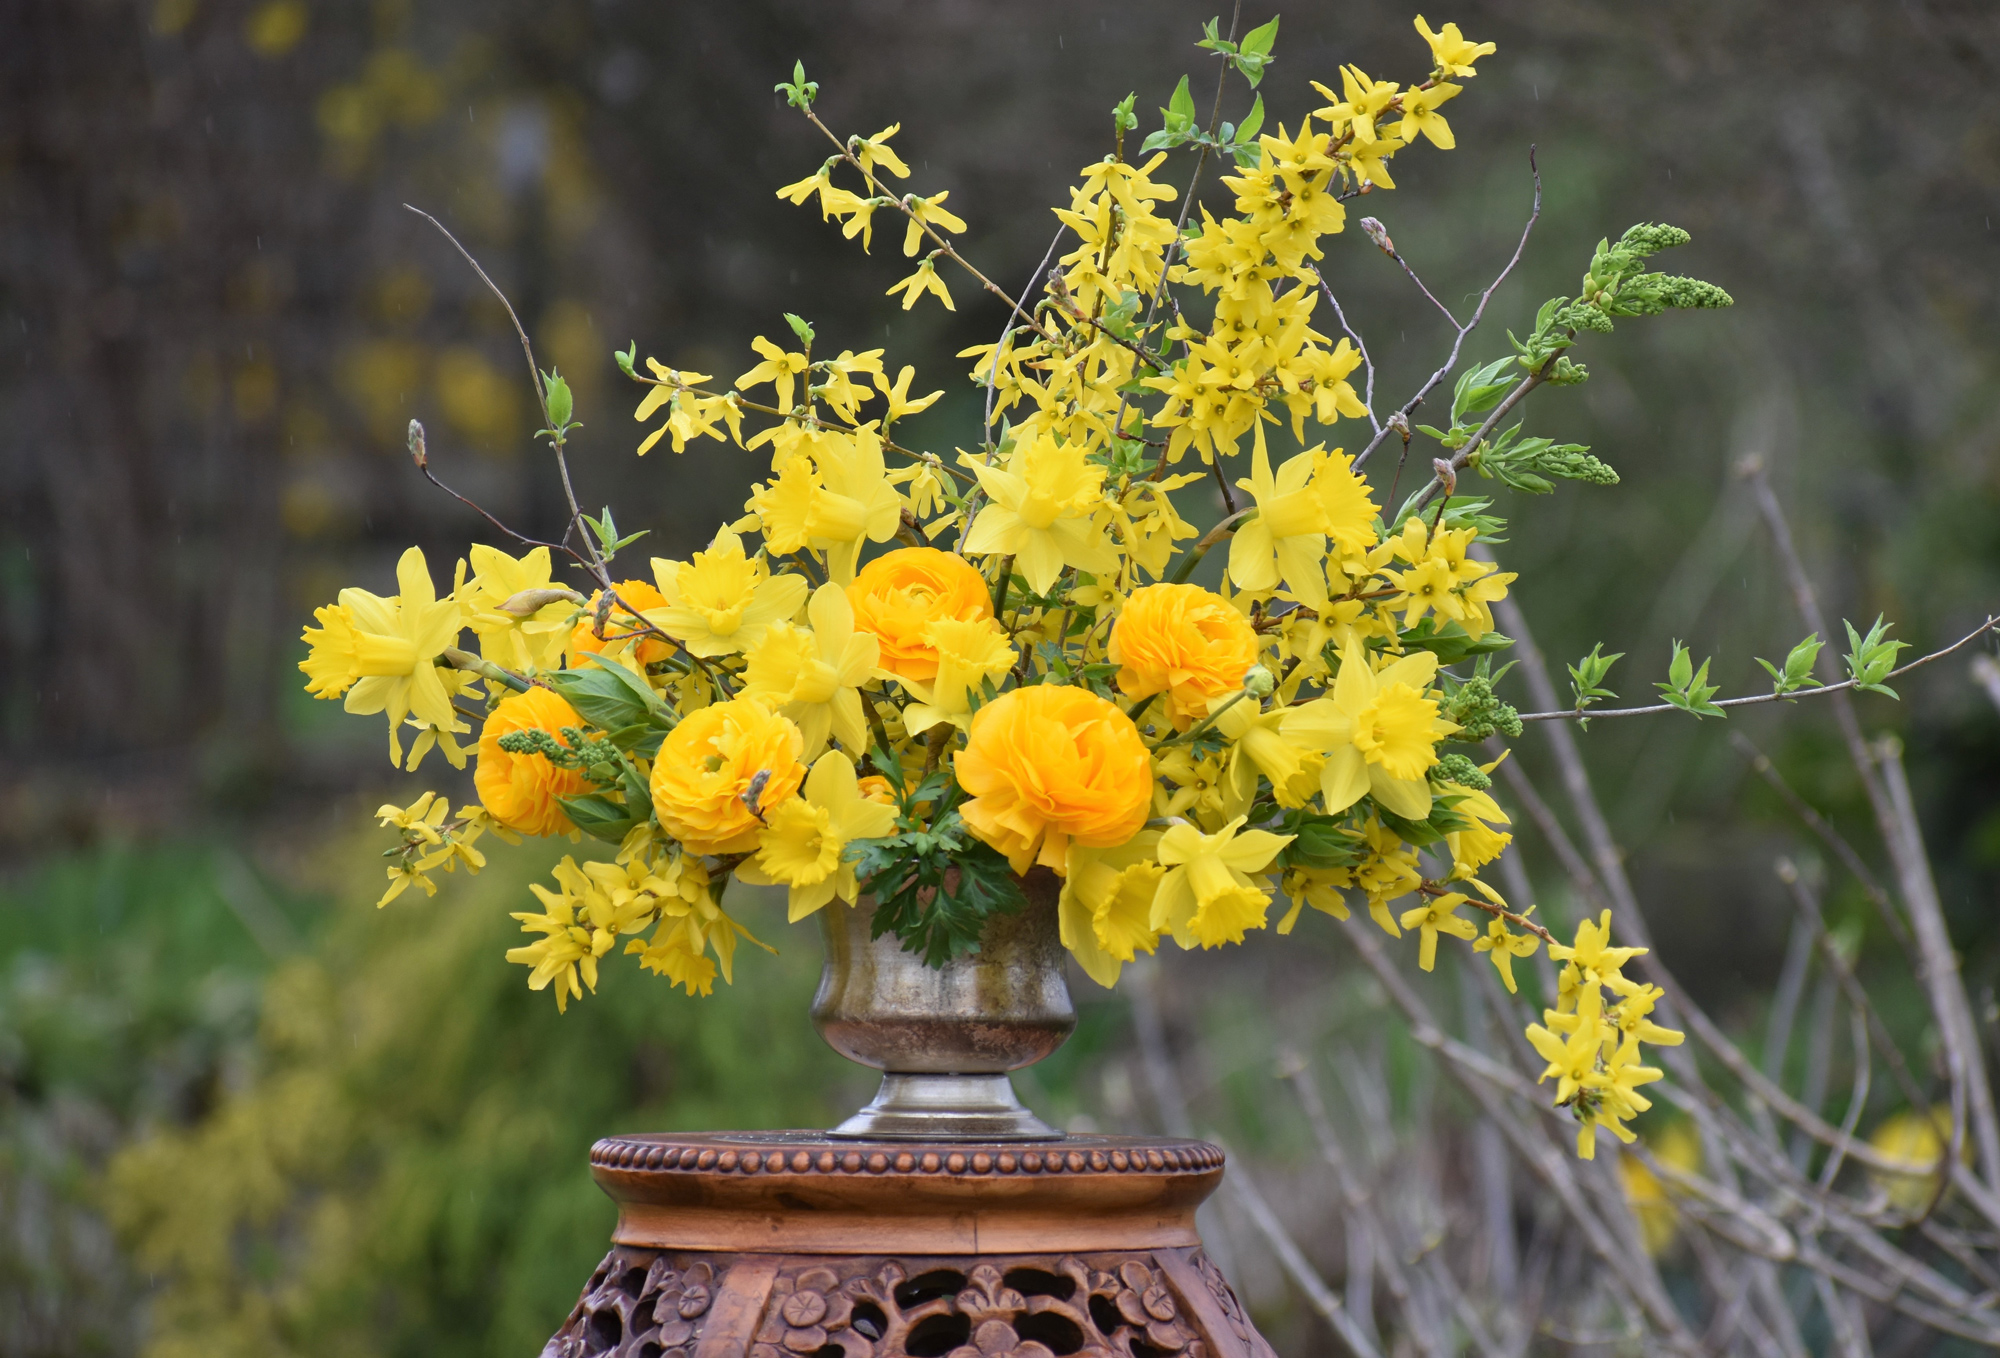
(706, 764)
(1048, 765)
(521, 789)
(636, 593)
(1183, 641)
(898, 594)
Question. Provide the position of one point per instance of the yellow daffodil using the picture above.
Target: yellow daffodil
(1106, 907)
(722, 602)
(1209, 895)
(1378, 732)
(814, 676)
(1259, 745)
(1044, 503)
(969, 652)
(1286, 539)
(804, 837)
(380, 652)
(521, 617)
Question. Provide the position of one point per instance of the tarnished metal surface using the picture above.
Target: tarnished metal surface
(947, 1036)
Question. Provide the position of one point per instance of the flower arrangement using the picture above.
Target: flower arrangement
(915, 678)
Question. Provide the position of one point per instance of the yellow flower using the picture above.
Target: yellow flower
(1478, 843)
(1106, 908)
(968, 653)
(928, 210)
(1502, 947)
(582, 923)
(898, 393)
(1286, 538)
(1420, 115)
(708, 764)
(835, 500)
(1317, 887)
(1451, 50)
(1258, 744)
(802, 844)
(1209, 896)
(722, 602)
(1184, 641)
(1592, 952)
(874, 150)
(813, 677)
(521, 790)
(924, 280)
(1378, 731)
(899, 594)
(1049, 765)
(779, 368)
(1438, 915)
(379, 652)
(515, 608)
(1042, 513)
(1388, 872)
(1365, 101)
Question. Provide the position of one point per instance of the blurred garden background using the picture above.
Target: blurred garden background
(242, 1112)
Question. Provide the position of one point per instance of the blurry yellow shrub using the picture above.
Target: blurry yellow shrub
(406, 1172)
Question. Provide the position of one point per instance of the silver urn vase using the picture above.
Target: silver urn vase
(945, 1038)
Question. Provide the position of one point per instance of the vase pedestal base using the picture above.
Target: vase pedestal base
(802, 1245)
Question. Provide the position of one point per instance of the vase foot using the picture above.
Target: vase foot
(928, 1107)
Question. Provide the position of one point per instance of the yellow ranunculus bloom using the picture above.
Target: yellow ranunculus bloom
(901, 593)
(707, 765)
(1184, 641)
(521, 789)
(1049, 765)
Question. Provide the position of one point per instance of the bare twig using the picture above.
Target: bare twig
(1296, 1265)
(1409, 407)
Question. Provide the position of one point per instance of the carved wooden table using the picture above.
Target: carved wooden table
(798, 1245)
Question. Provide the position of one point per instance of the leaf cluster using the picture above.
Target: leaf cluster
(1687, 687)
(1798, 670)
(1870, 658)
(936, 888)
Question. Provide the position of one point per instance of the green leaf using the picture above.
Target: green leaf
(634, 685)
(799, 327)
(1587, 676)
(935, 889)
(1798, 670)
(1687, 687)
(601, 697)
(1180, 108)
(1449, 642)
(1480, 389)
(1259, 39)
(600, 817)
(1870, 659)
(1123, 119)
(626, 358)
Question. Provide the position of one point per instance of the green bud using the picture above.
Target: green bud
(1258, 681)
(561, 403)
